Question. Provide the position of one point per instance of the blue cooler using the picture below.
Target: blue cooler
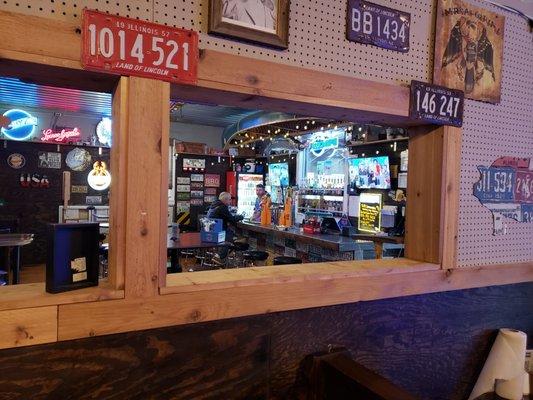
(212, 230)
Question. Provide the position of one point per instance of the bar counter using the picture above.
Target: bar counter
(308, 247)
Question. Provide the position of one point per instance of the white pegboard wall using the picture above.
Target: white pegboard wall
(316, 33)
(317, 39)
(492, 131)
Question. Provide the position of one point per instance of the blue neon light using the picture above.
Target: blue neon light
(22, 125)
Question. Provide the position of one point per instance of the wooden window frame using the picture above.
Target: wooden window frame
(140, 296)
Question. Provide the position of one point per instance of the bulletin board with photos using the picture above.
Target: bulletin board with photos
(196, 189)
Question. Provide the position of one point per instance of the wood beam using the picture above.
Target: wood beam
(118, 191)
(451, 180)
(146, 147)
(424, 186)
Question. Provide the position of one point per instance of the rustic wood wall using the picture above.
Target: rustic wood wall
(433, 345)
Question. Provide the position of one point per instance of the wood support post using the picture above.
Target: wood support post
(146, 146)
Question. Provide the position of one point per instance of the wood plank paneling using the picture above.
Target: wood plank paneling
(423, 211)
(28, 326)
(117, 198)
(147, 181)
(183, 308)
(224, 362)
(432, 345)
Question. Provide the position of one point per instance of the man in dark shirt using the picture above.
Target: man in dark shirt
(219, 209)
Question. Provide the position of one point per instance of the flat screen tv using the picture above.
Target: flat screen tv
(369, 173)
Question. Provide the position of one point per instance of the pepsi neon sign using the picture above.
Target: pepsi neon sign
(22, 125)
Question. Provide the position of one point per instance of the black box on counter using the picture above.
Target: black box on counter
(73, 256)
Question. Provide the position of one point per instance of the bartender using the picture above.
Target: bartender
(260, 192)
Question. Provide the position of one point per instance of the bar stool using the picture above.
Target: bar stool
(285, 260)
(235, 257)
(252, 257)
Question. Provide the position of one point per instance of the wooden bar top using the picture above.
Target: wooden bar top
(330, 241)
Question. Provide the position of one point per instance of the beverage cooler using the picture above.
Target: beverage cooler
(242, 188)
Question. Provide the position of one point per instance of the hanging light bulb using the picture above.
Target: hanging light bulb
(313, 122)
(377, 151)
(335, 127)
(360, 129)
(297, 126)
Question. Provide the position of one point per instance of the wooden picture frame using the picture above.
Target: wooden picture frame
(245, 29)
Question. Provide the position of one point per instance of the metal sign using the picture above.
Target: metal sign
(436, 104)
(128, 46)
(380, 26)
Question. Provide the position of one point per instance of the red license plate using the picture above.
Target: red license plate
(128, 46)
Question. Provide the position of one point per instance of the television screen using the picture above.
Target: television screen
(279, 174)
(369, 173)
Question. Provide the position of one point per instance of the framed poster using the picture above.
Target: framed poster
(183, 196)
(211, 191)
(49, 160)
(469, 50)
(197, 177)
(192, 164)
(197, 185)
(183, 206)
(260, 21)
(197, 202)
(209, 199)
(183, 180)
(183, 188)
(212, 180)
(197, 193)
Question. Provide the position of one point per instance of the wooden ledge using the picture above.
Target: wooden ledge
(34, 295)
(238, 277)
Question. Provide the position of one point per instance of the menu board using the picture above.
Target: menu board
(370, 212)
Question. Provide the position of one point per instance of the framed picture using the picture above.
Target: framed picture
(469, 50)
(260, 21)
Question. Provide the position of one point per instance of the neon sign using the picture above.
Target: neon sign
(63, 136)
(320, 143)
(99, 178)
(21, 125)
(103, 131)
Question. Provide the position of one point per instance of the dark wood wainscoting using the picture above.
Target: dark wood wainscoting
(432, 345)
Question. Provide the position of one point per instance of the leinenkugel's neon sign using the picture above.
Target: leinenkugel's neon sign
(63, 136)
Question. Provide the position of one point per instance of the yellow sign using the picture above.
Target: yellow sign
(370, 212)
